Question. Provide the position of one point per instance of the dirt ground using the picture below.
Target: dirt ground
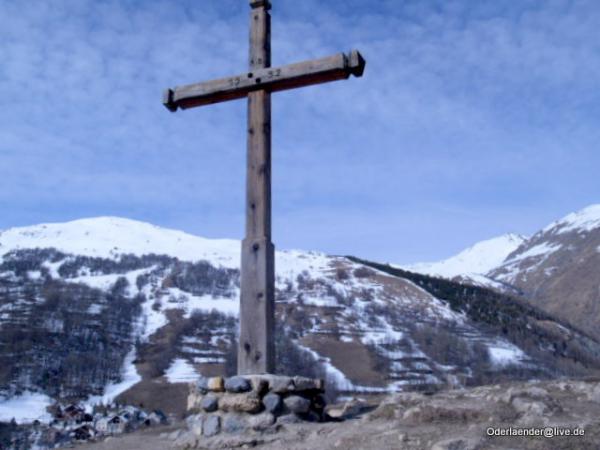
(463, 419)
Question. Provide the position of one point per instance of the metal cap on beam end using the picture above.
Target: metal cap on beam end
(356, 63)
(260, 4)
(168, 100)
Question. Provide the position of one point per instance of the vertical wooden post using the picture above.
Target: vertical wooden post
(256, 352)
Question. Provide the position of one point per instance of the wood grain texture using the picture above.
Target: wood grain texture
(291, 76)
(256, 351)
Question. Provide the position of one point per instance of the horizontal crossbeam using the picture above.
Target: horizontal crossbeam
(316, 71)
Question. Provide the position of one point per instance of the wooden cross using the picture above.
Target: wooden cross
(256, 353)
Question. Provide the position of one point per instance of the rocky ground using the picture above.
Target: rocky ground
(458, 419)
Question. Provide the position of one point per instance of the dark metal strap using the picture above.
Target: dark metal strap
(266, 4)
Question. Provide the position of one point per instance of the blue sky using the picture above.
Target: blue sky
(472, 119)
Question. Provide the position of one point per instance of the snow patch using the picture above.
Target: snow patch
(52, 267)
(106, 282)
(324, 301)
(505, 355)
(334, 375)
(481, 280)
(209, 360)
(175, 298)
(34, 274)
(102, 282)
(511, 269)
(130, 376)
(181, 371)
(94, 309)
(25, 408)
(544, 249)
(150, 321)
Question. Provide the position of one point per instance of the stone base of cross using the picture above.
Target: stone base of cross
(256, 352)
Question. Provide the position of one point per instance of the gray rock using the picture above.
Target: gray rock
(210, 403)
(194, 424)
(248, 402)
(594, 394)
(272, 402)
(335, 412)
(157, 417)
(194, 399)
(211, 425)
(530, 407)
(259, 383)
(347, 410)
(187, 440)
(307, 384)
(297, 404)
(202, 385)
(528, 392)
(281, 384)
(288, 419)
(455, 444)
(234, 423)
(237, 384)
(262, 421)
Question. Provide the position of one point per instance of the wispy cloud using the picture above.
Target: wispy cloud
(471, 116)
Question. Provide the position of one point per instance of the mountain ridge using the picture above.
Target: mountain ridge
(113, 235)
(556, 269)
(165, 319)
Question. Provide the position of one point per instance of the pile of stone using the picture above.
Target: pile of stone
(253, 402)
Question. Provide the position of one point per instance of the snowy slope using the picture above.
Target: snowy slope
(543, 256)
(108, 237)
(581, 221)
(478, 259)
(558, 268)
(25, 408)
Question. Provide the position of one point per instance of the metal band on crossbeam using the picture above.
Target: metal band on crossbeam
(266, 4)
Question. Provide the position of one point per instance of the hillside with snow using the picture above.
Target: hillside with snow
(143, 309)
(583, 221)
(558, 269)
(109, 237)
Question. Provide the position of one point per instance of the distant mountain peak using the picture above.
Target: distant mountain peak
(108, 236)
(586, 219)
(477, 259)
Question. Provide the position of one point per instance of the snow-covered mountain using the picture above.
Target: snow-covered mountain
(557, 269)
(108, 237)
(105, 307)
(477, 259)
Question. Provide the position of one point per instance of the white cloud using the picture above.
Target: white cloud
(458, 98)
